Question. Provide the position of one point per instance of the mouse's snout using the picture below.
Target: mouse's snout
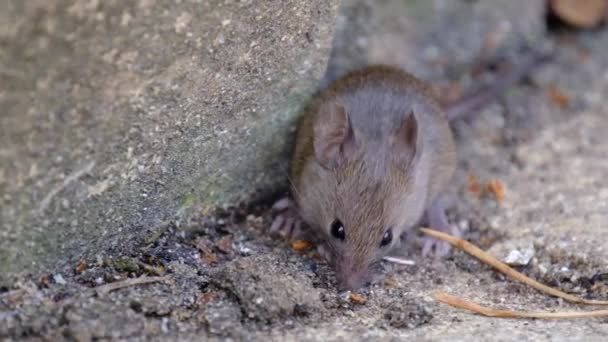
(351, 282)
(350, 275)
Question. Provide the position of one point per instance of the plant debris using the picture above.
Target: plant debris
(125, 265)
(473, 185)
(301, 245)
(355, 298)
(156, 270)
(557, 97)
(80, 267)
(495, 187)
(205, 246)
(505, 269)
(478, 309)
(225, 244)
(104, 289)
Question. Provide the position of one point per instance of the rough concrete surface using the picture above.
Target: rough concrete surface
(120, 115)
(224, 278)
(431, 39)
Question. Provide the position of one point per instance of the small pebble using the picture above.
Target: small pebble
(58, 278)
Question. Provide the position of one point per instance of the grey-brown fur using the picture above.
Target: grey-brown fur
(384, 176)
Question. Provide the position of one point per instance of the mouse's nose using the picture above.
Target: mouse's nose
(352, 270)
(348, 284)
(351, 280)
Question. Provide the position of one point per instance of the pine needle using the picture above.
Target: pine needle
(505, 269)
(489, 312)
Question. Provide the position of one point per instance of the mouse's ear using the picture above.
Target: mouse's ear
(405, 140)
(333, 136)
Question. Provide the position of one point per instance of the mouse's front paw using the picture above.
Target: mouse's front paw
(438, 248)
(287, 222)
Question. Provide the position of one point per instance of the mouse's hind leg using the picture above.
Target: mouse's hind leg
(287, 222)
(437, 220)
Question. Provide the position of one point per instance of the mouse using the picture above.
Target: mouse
(373, 153)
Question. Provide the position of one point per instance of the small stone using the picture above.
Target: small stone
(58, 278)
(244, 251)
(519, 257)
(514, 252)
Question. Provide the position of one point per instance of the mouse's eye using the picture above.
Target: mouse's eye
(337, 229)
(386, 238)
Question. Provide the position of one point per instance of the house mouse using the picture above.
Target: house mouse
(373, 153)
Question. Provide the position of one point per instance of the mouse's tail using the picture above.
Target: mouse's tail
(477, 101)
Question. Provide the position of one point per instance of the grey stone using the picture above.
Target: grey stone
(514, 252)
(119, 115)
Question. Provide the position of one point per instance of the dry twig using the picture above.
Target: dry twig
(505, 269)
(482, 310)
(104, 289)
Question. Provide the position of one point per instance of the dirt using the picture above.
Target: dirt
(258, 288)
